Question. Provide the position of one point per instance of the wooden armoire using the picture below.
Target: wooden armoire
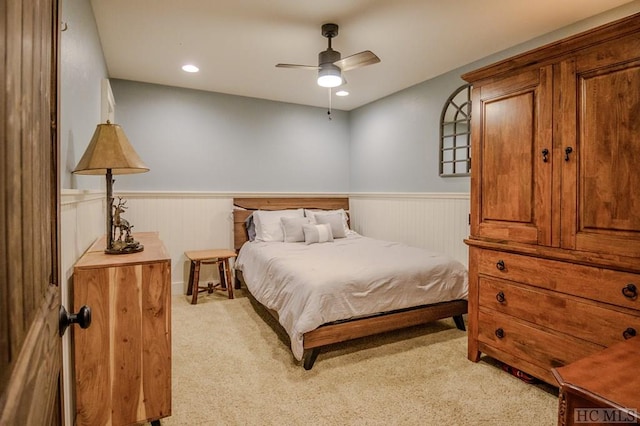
(554, 249)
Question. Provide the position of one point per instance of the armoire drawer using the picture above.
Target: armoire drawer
(534, 345)
(595, 323)
(614, 287)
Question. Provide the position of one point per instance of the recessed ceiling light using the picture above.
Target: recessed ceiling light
(342, 93)
(190, 68)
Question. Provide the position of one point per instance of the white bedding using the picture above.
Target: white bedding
(310, 285)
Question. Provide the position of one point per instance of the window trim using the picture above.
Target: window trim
(464, 111)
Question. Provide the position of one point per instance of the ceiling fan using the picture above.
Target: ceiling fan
(330, 65)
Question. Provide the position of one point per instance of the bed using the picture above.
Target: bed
(341, 289)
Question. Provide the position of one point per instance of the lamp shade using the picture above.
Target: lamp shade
(110, 149)
(329, 75)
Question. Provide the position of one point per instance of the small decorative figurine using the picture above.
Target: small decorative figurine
(125, 242)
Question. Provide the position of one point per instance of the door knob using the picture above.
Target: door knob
(82, 318)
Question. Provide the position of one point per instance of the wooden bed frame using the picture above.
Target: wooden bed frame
(350, 329)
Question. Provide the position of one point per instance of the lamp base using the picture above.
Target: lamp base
(124, 248)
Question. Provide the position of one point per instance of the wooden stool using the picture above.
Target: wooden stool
(209, 257)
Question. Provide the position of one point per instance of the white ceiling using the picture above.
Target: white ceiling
(236, 43)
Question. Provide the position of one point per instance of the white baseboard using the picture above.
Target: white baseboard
(177, 288)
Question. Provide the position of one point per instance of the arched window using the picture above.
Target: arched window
(455, 134)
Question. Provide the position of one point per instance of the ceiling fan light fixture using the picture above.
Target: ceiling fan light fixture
(329, 75)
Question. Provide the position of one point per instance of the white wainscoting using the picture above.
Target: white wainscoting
(201, 220)
(186, 221)
(435, 221)
(82, 221)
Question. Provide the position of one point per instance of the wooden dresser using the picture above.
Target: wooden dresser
(554, 250)
(123, 360)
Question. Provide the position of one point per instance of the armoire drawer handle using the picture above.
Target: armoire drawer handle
(545, 155)
(629, 333)
(499, 333)
(500, 265)
(630, 291)
(500, 297)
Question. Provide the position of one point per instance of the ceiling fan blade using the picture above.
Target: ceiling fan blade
(357, 60)
(303, 67)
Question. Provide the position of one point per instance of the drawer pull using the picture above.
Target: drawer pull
(500, 265)
(630, 291)
(629, 333)
(500, 333)
(500, 297)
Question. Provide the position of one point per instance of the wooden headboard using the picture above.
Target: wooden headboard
(264, 203)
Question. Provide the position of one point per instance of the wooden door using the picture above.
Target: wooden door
(511, 177)
(600, 122)
(30, 344)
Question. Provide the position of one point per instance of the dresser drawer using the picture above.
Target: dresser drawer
(596, 323)
(534, 345)
(614, 287)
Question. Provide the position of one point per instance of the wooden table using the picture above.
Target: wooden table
(207, 257)
(603, 388)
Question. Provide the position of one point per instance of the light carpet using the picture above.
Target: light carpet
(232, 366)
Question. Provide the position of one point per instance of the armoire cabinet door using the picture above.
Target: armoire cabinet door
(511, 171)
(600, 121)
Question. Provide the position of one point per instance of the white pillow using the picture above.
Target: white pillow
(292, 228)
(334, 220)
(317, 233)
(268, 225)
(311, 214)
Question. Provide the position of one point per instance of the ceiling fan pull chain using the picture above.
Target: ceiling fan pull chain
(329, 111)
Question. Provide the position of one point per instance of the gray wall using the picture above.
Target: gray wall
(201, 141)
(82, 67)
(395, 140)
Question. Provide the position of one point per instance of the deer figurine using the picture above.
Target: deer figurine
(119, 222)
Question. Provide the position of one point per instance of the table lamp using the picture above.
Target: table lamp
(110, 153)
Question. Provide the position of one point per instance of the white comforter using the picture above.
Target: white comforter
(310, 285)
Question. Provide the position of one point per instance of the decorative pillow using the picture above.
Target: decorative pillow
(317, 233)
(292, 228)
(311, 214)
(335, 221)
(268, 225)
(251, 227)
